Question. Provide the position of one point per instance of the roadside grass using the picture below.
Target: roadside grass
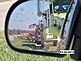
(7, 54)
(53, 31)
(21, 43)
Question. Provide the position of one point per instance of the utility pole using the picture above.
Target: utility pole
(39, 8)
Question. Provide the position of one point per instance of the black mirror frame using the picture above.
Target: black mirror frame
(21, 50)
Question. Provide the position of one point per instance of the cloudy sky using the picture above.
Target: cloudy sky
(26, 14)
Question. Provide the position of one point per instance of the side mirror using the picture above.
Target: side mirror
(26, 32)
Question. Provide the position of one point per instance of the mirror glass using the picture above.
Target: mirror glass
(32, 27)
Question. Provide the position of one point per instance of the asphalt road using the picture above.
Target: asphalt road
(4, 7)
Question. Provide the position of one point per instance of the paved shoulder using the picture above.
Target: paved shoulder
(4, 6)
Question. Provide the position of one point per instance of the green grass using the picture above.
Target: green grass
(54, 31)
(47, 45)
(24, 44)
(18, 43)
(7, 54)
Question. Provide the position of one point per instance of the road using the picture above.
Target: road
(4, 7)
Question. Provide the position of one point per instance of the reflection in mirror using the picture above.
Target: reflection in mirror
(27, 30)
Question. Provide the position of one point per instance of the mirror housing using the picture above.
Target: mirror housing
(9, 16)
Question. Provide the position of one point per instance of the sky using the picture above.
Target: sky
(25, 14)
